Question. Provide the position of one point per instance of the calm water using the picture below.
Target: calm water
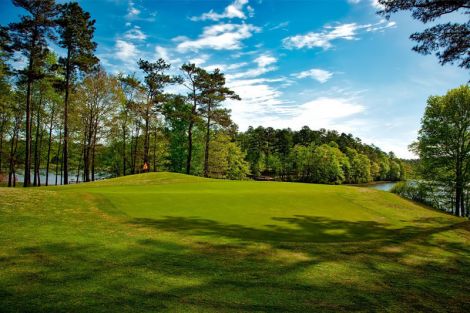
(383, 186)
(52, 178)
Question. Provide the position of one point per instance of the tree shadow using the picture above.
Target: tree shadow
(311, 264)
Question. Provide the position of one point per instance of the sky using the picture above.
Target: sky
(331, 64)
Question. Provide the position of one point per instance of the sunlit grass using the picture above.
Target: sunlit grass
(169, 242)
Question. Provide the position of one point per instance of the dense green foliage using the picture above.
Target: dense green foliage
(317, 156)
(176, 243)
(444, 145)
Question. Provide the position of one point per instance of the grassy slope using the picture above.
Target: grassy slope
(177, 243)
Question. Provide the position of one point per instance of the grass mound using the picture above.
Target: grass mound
(171, 242)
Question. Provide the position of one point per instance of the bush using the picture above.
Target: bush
(412, 190)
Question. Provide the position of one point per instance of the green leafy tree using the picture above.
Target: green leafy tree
(444, 142)
(327, 165)
(177, 112)
(359, 167)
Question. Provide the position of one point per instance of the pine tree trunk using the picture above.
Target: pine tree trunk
(2, 129)
(57, 157)
(94, 150)
(124, 150)
(155, 151)
(208, 133)
(66, 129)
(36, 141)
(82, 159)
(13, 148)
(27, 162)
(190, 133)
(458, 189)
(49, 145)
(146, 136)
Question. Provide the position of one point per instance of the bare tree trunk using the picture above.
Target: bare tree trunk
(36, 140)
(155, 150)
(65, 157)
(124, 160)
(2, 129)
(27, 161)
(87, 147)
(208, 133)
(135, 145)
(82, 159)
(13, 149)
(94, 149)
(49, 144)
(41, 136)
(57, 157)
(146, 136)
(190, 147)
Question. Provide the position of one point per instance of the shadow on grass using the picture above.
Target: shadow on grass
(315, 265)
(303, 229)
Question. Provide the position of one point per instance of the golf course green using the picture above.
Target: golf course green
(176, 243)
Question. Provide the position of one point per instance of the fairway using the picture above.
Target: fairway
(177, 243)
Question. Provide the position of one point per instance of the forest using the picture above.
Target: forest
(64, 119)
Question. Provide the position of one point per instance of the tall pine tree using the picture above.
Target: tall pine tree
(76, 29)
(29, 36)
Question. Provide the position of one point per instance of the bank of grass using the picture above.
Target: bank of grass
(169, 242)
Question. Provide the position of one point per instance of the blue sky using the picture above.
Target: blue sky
(329, 64)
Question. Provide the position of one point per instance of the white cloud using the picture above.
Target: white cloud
(264, 65)
(218, 37)
(328, 34)
(125, 51)
(135, 34)
(162, 53)
(199, 59)
(132, 11)
(265, 60)
(320, 75)
(325, 112)
(376, 4)
(373, 3)
(259, 101)
(225, 67)
(262, 104)
(282, 26)
(234, 10)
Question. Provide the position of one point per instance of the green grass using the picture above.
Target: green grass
(175, 243)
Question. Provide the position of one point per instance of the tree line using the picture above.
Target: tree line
(65, 115)
(317, 156)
